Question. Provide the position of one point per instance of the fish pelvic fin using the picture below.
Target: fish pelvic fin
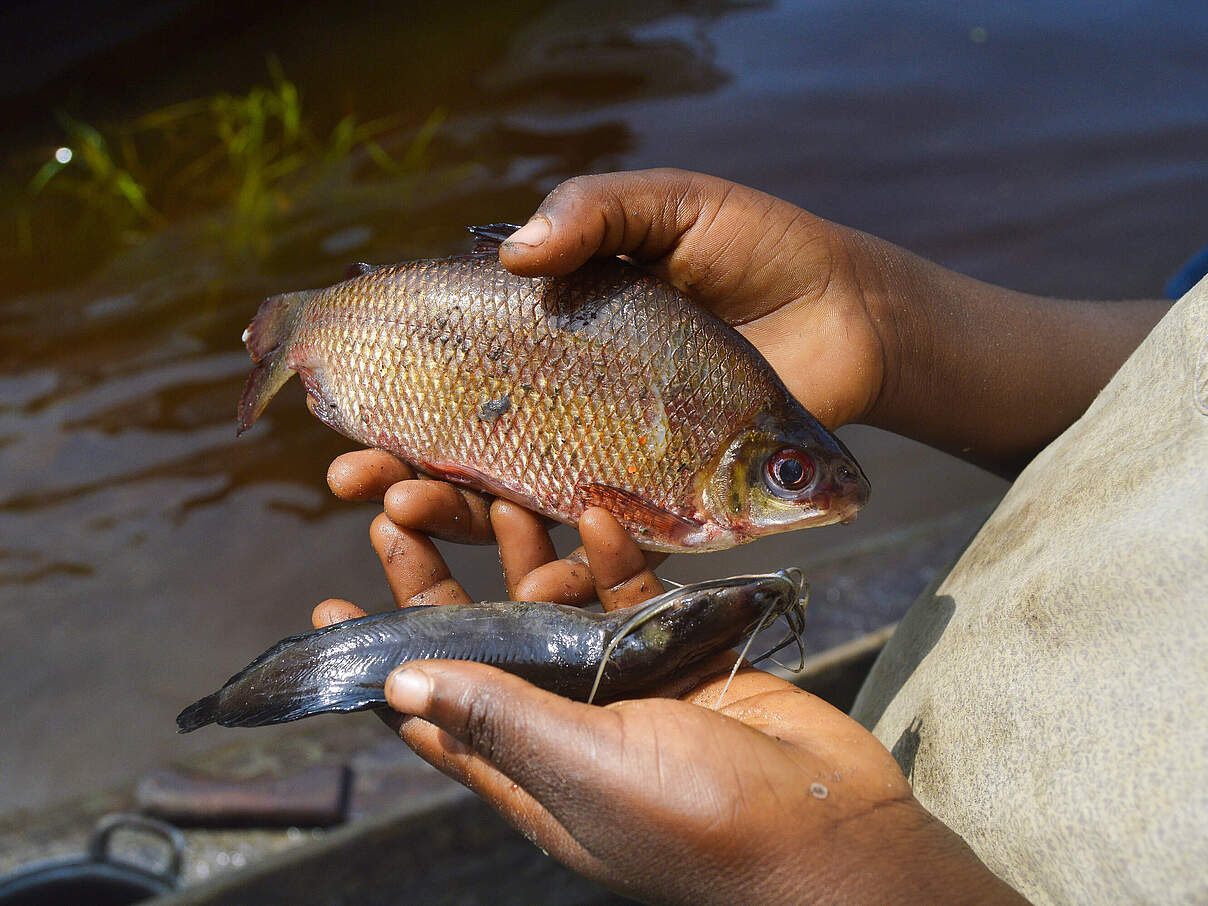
(199, 714)
(268, 340)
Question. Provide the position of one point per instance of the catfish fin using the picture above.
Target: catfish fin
(267, 339)
(488, 237)
(201, 712)
(360, 269)
(339, 698)
(637, 515)
(342, 698)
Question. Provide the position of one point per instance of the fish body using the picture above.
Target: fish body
(344, 667)
(607, 387)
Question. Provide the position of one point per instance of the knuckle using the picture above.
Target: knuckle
(570, 192)
(480, 723)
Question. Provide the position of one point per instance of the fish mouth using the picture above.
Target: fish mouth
(794, 576)
(847, 507)
(844, 494)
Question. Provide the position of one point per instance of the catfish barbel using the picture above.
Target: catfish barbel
(574, 652)
(606, 387)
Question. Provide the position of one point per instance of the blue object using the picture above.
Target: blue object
(1188, 275)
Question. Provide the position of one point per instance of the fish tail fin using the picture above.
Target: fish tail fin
(267, 340)
(201, 712)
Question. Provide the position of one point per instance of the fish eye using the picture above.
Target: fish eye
(790, 469)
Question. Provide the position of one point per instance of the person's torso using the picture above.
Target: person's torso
(1048, 698)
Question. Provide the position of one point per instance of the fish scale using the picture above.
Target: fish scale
(606, 387)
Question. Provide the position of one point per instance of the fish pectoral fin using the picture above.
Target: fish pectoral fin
(638, 516)
(488, 237)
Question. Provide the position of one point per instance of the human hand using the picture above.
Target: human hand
(416, 508)
(775, 795)
(792, 283)
(859, 329)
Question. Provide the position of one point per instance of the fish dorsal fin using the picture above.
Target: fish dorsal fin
(359, 269)
(639, 516)
(488, 237)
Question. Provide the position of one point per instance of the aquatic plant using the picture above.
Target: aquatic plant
(246, 162)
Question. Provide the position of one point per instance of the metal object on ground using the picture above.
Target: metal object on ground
(317, 797)
(97, 878)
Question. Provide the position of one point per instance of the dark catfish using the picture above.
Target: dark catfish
(344, 667)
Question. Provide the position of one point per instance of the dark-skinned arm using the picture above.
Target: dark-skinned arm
(859, 329)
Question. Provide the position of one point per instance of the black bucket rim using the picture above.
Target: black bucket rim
(96, 863)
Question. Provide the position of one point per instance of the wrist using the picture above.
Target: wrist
(979, 371)
(899, 293)
(897, 852)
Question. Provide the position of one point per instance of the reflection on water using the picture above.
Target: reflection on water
(144, 551)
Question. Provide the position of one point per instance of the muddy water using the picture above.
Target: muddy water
(145, 553)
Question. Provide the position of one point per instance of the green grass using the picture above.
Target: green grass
(247, 161)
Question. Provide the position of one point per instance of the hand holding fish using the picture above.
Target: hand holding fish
(858, 329)
(774, 797)
(611, 565)
(777, 797)
(789, 281)
(416, 508)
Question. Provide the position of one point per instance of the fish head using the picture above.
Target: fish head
(717, 611)
(783, 473)
(762, 599)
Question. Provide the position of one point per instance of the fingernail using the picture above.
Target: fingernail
(408, 690)
(535, 232)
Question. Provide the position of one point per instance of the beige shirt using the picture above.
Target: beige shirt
(1048, 698)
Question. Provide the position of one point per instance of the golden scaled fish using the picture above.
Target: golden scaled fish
(607, 387)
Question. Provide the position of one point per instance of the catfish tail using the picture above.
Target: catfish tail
(198, 714)
(268, 340)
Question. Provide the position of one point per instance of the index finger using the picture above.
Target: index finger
(415, 570)
(366, 474)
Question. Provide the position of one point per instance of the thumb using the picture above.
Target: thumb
(737, 250)
(536, 738)
(641, 213)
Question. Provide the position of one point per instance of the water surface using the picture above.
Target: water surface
(145, 553)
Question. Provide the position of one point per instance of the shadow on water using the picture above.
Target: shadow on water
(144, 551)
